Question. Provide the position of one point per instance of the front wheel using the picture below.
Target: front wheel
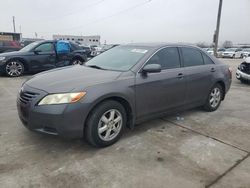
(214, 98)
(14, 68)
(105, 124)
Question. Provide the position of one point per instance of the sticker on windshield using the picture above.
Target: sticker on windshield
(139, 51)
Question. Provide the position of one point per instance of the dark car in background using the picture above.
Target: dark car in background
(243, 71)
(104, 48)
(40, 56)
(9, 46)
(121, 87)
(88, 50)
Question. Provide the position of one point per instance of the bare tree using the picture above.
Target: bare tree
(228, 44)
(202, 45)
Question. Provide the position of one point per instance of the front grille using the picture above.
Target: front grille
(27, 96)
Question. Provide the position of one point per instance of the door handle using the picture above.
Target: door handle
(213, 69)
(180, 75)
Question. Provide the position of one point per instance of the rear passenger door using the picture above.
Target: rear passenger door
(199, 70)
(158, 92)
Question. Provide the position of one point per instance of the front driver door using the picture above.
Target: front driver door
(158, 92)
(44, 57)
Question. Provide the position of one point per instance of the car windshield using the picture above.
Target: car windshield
(221, 50)
(29, 47)
(121, 58)
(231, 49)
(246, 50)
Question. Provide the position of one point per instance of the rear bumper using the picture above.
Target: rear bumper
(2, 68)
(242, 76)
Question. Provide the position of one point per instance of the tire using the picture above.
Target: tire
(101, 130)
(214, 98)
(243, 81)
(77, 61)
(14, 68)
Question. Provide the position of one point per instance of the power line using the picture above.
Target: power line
(118, 13)
(108, 17)
(52, 19)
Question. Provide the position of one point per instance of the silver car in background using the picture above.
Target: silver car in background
(232, 53)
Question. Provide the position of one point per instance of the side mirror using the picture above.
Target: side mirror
(151, 68)
(37, 52)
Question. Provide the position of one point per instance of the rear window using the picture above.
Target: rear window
(74, 46)
(191, 57)
(207, 60)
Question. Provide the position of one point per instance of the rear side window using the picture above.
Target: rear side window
(168, 58)
(207, 60)
(75, 46)
(191, 57)
(46, 47)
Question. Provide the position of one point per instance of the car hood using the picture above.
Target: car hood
(73, 78)
(15, 53)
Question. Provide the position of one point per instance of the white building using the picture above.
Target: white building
(84, 40)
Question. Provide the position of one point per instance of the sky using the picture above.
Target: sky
(125, 21)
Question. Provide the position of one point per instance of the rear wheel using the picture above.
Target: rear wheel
(14, 68)
(214, 98)
(105, 124)
(243, 81)
(77, 61)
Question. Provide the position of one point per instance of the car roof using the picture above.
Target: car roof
(161, 45)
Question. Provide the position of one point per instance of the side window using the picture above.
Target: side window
(207, 60)
(191, 57)
(46, 47)
(168, 58)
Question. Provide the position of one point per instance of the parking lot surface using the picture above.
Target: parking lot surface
(189, 149)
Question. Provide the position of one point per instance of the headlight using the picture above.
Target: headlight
(62, 98)
(2, 58)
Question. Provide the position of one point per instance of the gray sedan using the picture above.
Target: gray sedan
(124, 86)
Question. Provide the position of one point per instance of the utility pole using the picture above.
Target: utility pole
(14, 24)
(217, 31)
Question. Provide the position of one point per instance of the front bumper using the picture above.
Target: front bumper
(2, 68)
(242, 76)
(227, 55)
(66, 120)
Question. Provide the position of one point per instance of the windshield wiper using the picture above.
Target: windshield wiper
(95, 67)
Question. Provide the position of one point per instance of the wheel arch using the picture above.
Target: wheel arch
(22, 60)
(223, 85)
(123, 101)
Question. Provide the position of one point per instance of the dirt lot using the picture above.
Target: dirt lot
(198, 149)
